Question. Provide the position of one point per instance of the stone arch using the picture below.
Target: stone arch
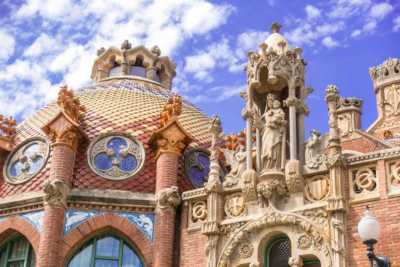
(258, 232)
(107, 223)
(21, 226)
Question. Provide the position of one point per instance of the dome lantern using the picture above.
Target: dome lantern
(133, 62)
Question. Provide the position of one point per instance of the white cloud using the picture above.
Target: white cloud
(347, 8)
(218, 54)
(43, 44)
(203, 17)
(396, 24)
(356, 33)
(7, 45)
(249, 41)
(312, 12)
(328, 41)
(70, 32)
(381, 10)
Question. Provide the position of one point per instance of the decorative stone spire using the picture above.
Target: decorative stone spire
(70, 104)
(276, 27)
(172, 109)
(349, 115)
(7, 132)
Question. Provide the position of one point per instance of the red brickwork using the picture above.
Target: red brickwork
(193, 244)
(105, 223)
(387, 211)
(362, 145)
(167, 173)
(15, 224)
(51, 237)
(62, 167)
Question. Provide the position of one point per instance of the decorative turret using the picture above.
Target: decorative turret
(349, 115)
(386, 80)
(133, 62)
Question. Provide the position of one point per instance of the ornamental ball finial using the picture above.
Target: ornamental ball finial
(126, 45)
(156, 50)
(276, 27)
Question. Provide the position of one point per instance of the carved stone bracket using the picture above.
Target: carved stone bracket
(168, 198)
(56, 192)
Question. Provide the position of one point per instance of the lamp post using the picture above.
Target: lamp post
(368, 229)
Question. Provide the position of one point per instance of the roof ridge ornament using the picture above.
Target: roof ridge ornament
(172, 109)
(70, 104)
(7, 132)
(276, 27)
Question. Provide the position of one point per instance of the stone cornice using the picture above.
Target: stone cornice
(373, 156)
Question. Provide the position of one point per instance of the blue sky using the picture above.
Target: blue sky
(44, 43)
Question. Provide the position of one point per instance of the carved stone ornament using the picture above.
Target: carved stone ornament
(364, 180)
(168, 198)
(394, 177)
(7, 132)
(317, 188)
(245, 250)
(237, 160)
(235, 205)
(391, 100)
(293, 177)
(265, 189)
(56, 192)
(304, 242)
(173, 108)
(70, 104)
(171, 138)
(385, 73)
(314, 155)
(199, 211)
(26, 161)
(272, 218)
(116, 156)
(295, 261)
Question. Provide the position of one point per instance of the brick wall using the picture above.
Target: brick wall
(193, 244)
(387, 211)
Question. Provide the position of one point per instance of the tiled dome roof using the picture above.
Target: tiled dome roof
(118, 105)
(125, 105)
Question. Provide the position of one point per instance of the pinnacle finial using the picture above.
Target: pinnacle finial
(126, 45)
(275, 27)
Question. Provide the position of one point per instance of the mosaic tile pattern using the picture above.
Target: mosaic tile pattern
(144, 221)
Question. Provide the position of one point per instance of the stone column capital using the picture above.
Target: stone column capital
(171, 138)
(63, 129)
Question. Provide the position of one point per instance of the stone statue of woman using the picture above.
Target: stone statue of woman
(272, 138)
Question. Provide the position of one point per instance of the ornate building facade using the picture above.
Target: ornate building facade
(126, 173)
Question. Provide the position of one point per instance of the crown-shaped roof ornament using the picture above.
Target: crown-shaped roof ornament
(134, 62)
(386, 73)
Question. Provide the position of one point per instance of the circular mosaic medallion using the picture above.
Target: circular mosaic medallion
(26, 161)
(116, 156)
(197, 166)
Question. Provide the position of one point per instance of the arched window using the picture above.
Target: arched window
(106, 251)
(17, 251)
(138, 68)
(278, 252)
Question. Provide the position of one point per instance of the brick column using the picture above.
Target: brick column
(169, 141)
(166, 190)
(56, 189)
(63, 131)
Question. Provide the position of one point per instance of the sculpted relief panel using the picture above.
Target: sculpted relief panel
(391, 101)
(363, 183)
(317, 188)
